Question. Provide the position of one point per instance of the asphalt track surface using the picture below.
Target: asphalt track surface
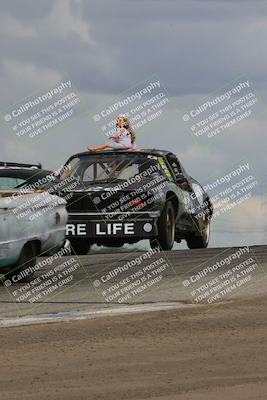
(195, 350)
(172, 279)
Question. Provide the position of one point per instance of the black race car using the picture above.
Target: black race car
(125, 196)
(28, 176)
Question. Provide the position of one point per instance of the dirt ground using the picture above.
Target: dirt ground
(218, 353)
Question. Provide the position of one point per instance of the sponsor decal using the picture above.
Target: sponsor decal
(100, 229)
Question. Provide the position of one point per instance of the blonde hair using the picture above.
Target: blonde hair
(129, 127)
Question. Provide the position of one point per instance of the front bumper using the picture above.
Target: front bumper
(117, 225)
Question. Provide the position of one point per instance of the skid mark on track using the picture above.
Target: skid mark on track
(80, 315)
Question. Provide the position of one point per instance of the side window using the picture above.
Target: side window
(88, 174)
(174, 164)
(70, 168)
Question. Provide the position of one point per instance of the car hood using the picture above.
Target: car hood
(127, 185)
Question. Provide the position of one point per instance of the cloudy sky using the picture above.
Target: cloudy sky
(106, 47)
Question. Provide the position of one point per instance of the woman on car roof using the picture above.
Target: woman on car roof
(124, 138)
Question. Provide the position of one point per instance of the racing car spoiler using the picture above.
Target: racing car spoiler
(4, 164)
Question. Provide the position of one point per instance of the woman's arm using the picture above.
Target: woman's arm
(118, 135)
(115, 138)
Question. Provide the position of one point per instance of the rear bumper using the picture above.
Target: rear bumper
(97, 226)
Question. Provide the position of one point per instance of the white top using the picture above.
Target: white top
(124, 137)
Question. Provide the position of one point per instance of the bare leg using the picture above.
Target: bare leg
(102, 147)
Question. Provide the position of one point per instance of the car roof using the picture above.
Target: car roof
(155, 152)
(23, 172)
(8, 164)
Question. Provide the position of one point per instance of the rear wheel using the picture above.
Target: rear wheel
(80, 246)
(166, 229)
(27, 259)
(200, 241)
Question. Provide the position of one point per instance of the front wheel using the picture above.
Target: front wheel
(79, 246)
(166, 229)
(201, 241)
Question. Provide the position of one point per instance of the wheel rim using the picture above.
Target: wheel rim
(170, 226)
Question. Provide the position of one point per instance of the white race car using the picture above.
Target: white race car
(31, 224)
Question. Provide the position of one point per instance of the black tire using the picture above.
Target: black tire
(28, 257)
(166, 229)
(200, 241)
(80, 246)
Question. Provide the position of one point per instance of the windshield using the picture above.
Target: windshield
(22, 179)
(112, 167)
(7, 182)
